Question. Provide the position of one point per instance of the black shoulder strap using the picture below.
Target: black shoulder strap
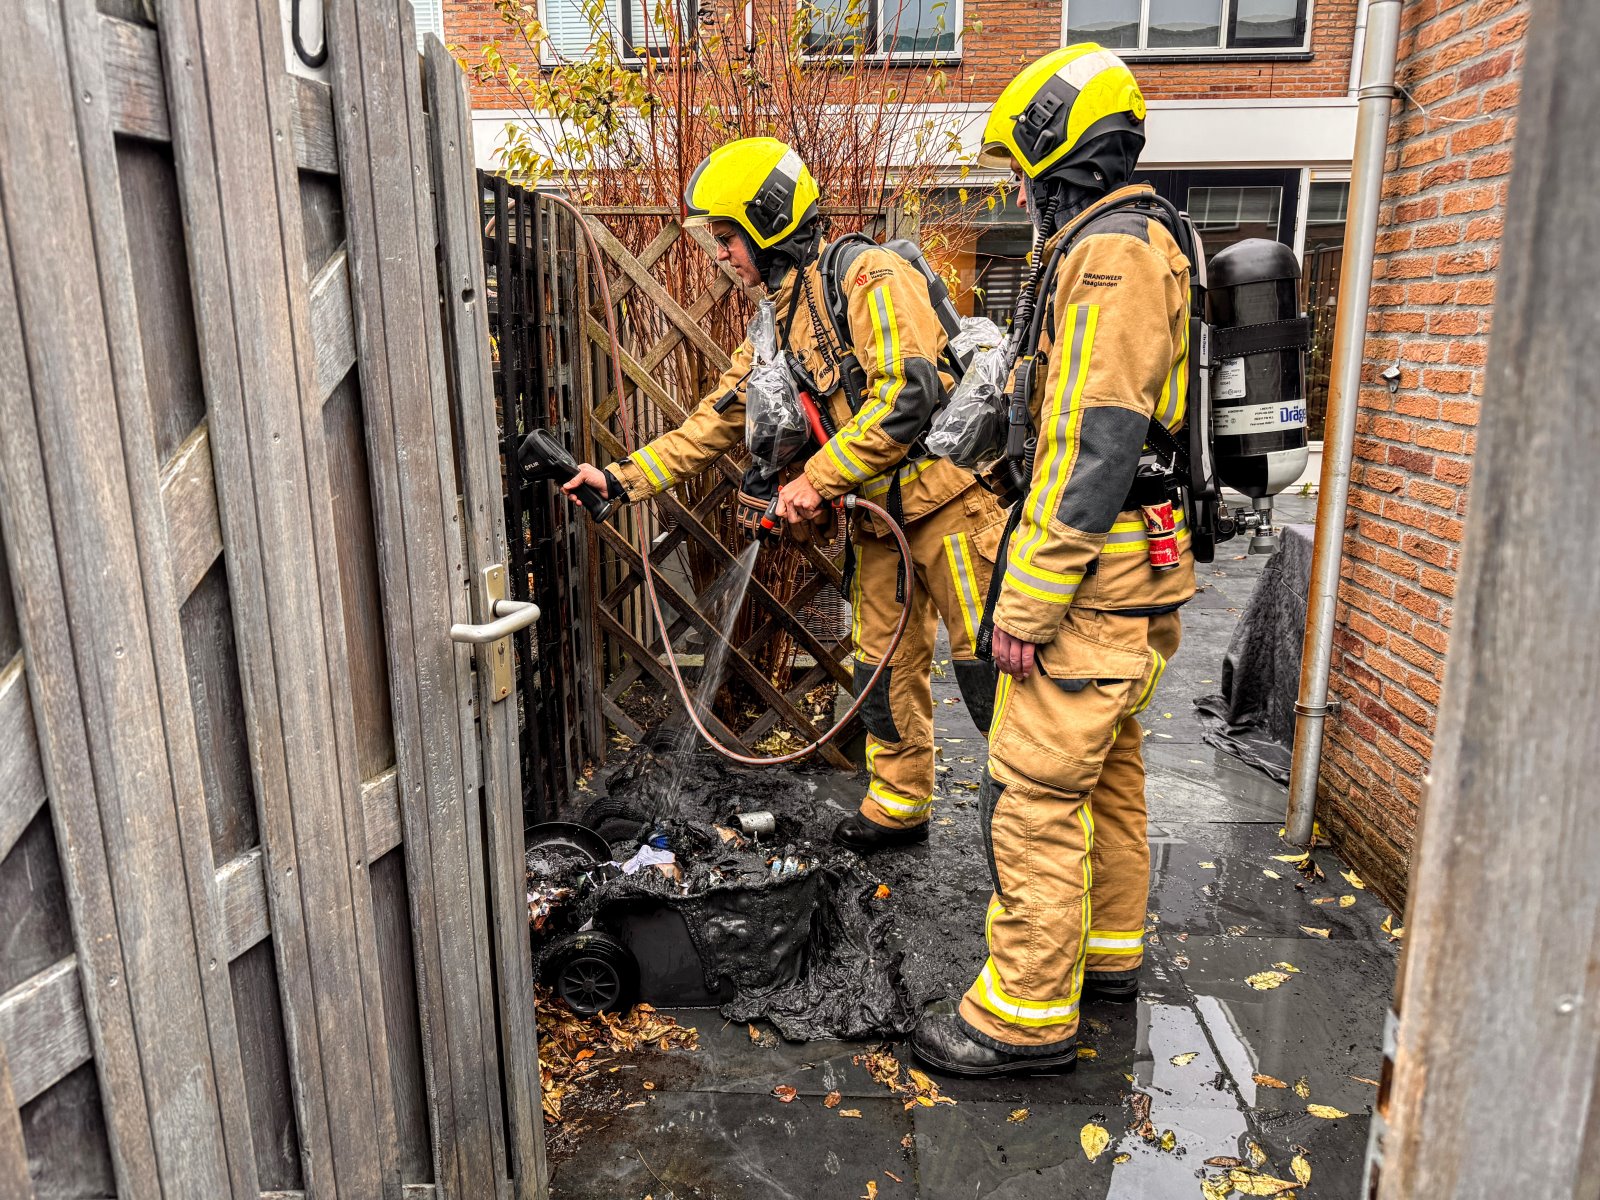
(834, 265)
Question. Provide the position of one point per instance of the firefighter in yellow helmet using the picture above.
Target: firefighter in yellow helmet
(877, 379)
(1095, 569)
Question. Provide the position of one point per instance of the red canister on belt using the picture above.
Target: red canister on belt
(1161, 529)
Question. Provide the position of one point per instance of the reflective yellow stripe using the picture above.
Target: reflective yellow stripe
(1116, 943)
(1128, 537)
(855, 613)
(648, 461)
(1086, 819)
(1031, 1013)
(1150, 688)
(891, 800)
(1175, 392)
(879, 484)
(872, 413)
(995, 909)
(1053, 587)
(1002, 695)
(957, 551)
(1058, 449)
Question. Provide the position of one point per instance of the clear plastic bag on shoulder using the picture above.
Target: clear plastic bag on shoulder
(774, 426)
(977, 334)
(971, 428)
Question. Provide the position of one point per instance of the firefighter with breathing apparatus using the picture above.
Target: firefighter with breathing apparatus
(1097, 561)
(833, 392)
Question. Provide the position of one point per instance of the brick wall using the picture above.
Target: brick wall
(1437, 250)
(1015, 32)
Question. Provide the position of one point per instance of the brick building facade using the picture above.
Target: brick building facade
(1438, 246)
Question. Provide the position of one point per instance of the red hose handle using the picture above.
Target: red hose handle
(851, 501)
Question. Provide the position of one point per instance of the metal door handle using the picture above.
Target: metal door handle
(512, 617)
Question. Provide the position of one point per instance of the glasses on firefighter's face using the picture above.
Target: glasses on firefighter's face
(725, 240)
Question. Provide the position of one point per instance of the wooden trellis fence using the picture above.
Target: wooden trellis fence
(669, 358)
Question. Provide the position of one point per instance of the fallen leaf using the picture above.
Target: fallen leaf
(872, 1190)
(1236, 930)
(1183, 1060)
(1094, 1139)
(1301, 1168)
(1216, 1189)
(1018, 1115)
(1353, 880)
(1302, 1088)
(635, 1104)
(1088, 1052)
(1267, 1081)
(907, 1142)
(1388, 927)
(831, 1100)
(1297, 859)
(882, 892)
(1208, 866)
(1289, 967)
(1258, 1156)
(785, 1093)
(1265, 981)
(648, 1086)
(1223, 1160)
(1169, 1142)
(893, 1176)
(1364, 1079)
(1347, 901)
(583, 1056)
(849, 1112)
(1321, 933)
(1271, 874)
(1181, 961)
(1121, 1158)
(1326, 1112)
(1322, 900)
(1252, 1183)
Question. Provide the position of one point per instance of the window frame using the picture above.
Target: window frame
(906, 57)
(618, 30)
(1229, 18)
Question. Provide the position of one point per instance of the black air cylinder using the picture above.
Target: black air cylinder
(1258, 400)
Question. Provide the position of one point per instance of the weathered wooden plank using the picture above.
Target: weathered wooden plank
(22, 790)
(315, 144)
(189, 495)
(136, 92)
(380, 806)
(393, 280)
(132, 196)
(229, 111)
(411, 1191)
(1503, 883)
(44, 1030)
(85, 362)
(242, 892)
(478, 452)
(333, 331)
(14, 1179)
(64, 748)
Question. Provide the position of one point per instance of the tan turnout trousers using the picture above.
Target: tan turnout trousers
(954, 550)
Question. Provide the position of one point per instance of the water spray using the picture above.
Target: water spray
(539, 450)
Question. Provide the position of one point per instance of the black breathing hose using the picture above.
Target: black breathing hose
(852, 501)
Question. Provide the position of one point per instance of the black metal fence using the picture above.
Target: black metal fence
(536, 288)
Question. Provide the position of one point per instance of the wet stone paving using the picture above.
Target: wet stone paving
(1255, 1042)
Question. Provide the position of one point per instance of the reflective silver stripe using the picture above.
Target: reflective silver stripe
(1080, 71)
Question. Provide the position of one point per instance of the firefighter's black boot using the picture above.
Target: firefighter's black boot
(857, 833)
(1111, 985)
(947, 1043)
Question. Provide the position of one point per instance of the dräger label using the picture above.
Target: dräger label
(1230, 380)
(1258, 418)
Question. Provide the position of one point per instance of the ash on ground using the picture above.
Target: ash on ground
(795, 926)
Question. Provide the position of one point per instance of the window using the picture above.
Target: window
(574, 26)
(429, 18)
(892, 28)
(1190, 26)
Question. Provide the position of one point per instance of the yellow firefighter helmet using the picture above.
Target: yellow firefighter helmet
(759, 183)
(1065, 100)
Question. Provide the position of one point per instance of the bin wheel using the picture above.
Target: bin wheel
(591, 973)
(615, 820)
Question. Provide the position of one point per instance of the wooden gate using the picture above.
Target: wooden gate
(260, 822)
(669, 358)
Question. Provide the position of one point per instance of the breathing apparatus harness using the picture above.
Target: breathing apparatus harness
(847, 502)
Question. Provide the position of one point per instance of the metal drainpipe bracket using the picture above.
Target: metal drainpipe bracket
(1331, 708)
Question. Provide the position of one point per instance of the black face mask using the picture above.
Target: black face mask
(1090, 172)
